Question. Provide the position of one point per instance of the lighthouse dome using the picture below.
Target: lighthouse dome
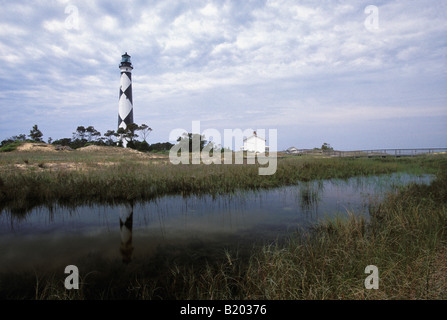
(125, 61)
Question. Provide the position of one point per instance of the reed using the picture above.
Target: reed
(108, 178)
(405, 237)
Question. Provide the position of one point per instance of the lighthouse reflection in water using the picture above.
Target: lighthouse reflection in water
(176, 225)
(126, 221)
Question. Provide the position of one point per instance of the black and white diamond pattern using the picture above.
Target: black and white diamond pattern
(125, 111)
(126, 222)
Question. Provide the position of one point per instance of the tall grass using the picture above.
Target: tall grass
(406, 239)
(109, 178)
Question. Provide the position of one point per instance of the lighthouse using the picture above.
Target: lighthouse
(125, 109)
(126, 221)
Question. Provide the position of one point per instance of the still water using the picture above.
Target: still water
(60, 236)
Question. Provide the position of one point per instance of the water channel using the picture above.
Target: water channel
(181, 226)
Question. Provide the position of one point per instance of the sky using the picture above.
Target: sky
(354, 74)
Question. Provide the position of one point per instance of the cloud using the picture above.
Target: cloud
(231, 63)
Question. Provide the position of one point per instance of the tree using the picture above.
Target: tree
(20, 137)
(326, 147)
(35, 134)
(132, 127)
(80, 133)
(120, 134)
(166, 146)
(128, 134)
(91, 132)
(212, 147)
(63, 142)
(189, 138)
(79, 139)
(6, 142)
(101, 141)
(142, 146)
(111, 136)
(145, 131)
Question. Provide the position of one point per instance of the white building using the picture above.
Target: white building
(254, 144)
(293, 150)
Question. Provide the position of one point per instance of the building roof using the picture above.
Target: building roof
(255, 135)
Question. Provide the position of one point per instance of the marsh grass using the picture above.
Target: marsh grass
(406, 239)
(83, 178)
(405, 236)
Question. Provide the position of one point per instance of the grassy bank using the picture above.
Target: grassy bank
(31, 179)
(406, 238)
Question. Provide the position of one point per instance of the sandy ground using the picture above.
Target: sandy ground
(113, 152)
(30, 147)
(37, 147)
(72, 165)
(118, 150)
(51, 165)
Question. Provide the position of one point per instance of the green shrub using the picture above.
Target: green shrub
(11, 146)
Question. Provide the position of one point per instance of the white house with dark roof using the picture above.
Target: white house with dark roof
(254, 143)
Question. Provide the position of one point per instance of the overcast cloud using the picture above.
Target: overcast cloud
(310, 69)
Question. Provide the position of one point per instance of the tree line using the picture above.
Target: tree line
(87, 135)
